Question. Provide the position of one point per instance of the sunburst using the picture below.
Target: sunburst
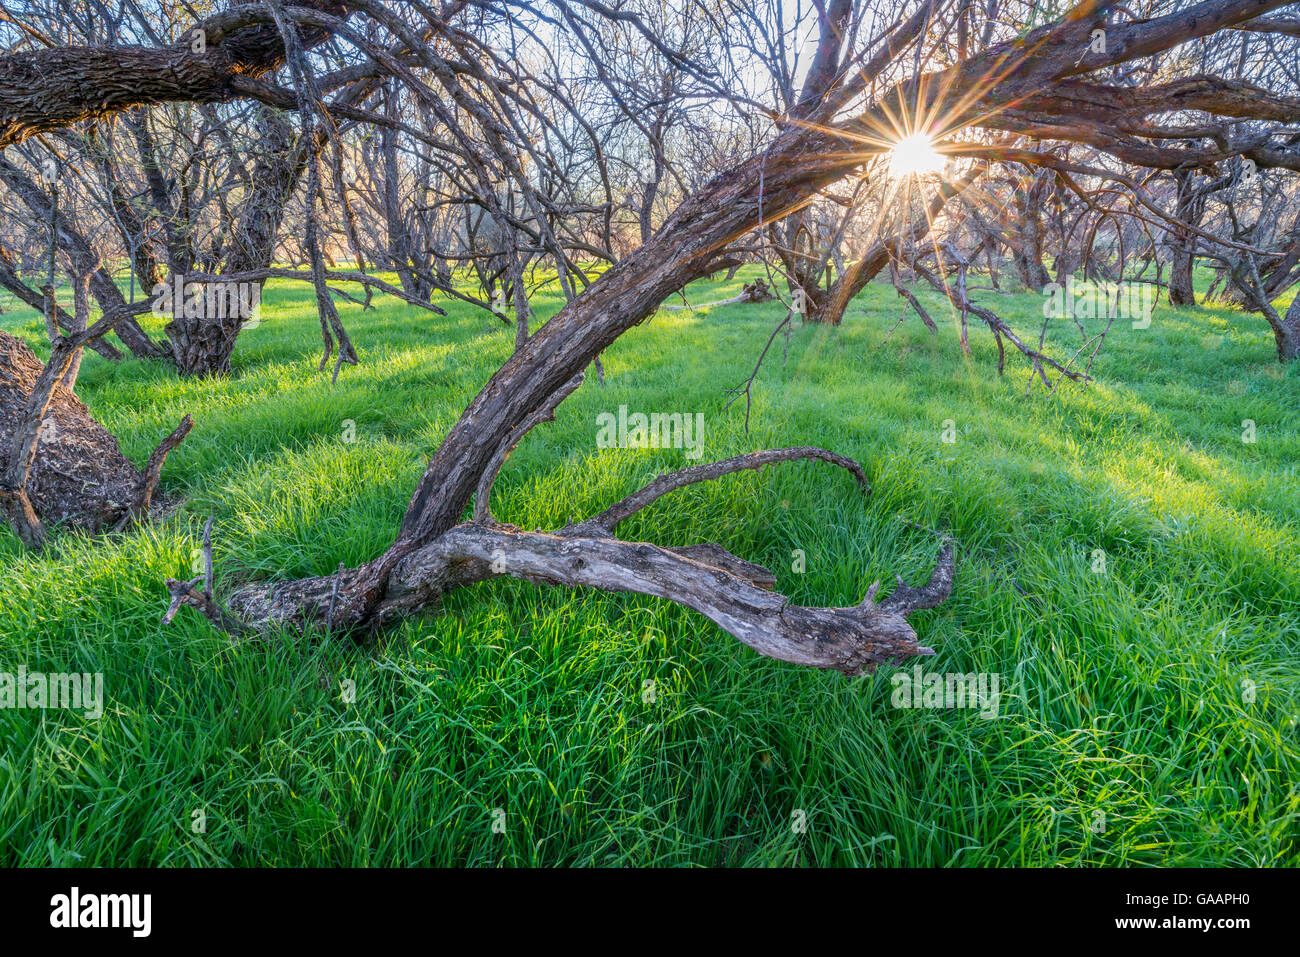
(915, 155)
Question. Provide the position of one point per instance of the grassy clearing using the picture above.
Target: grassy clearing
(1149, 715)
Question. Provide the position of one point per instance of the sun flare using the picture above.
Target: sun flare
(914, 154)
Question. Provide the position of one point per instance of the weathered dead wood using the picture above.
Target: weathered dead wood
(730, 592)
(735, 594)
(187, 592)
(80, 477)
(851, 640)
(152, 473)
(612, 517)
(756, 291)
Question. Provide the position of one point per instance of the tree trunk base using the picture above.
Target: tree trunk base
(80, 478)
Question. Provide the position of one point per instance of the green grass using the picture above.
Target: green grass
(1126, 733)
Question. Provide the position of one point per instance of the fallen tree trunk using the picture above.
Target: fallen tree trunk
(751, 292)
(733, 593)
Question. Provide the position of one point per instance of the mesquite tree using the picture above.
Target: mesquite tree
(1011, 95)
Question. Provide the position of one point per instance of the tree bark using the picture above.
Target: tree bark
(1245, 277)
(58, 465)
(735, 594)
(1028, 252)
(1287, 333)
(50, 89)
(1190, 208)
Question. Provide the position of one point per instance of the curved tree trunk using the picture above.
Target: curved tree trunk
(1246, 280)
(856, 277)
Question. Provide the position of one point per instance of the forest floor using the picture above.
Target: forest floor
(1148, 710)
